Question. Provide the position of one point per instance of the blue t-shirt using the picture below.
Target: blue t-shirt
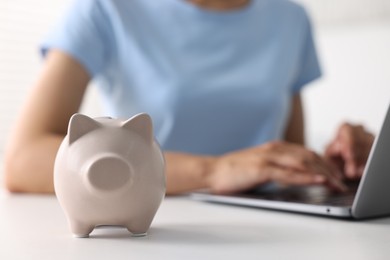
(213, 82)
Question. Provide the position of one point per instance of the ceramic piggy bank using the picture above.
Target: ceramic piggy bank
(109, 172)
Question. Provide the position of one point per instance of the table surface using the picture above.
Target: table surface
(34, 227)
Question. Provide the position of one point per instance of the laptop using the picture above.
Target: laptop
(370, 197)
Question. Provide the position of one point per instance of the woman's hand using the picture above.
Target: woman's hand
(279, 162)
(349, 150)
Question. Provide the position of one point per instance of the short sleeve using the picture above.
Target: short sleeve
(309, 67)
(83, 34)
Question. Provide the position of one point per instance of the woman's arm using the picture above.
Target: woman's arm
(284, 162)
(42, 124)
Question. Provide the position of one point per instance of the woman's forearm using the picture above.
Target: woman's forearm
(30, 168)
(186, 172)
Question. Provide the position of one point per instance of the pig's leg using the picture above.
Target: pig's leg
(80, 229)
(139, 227)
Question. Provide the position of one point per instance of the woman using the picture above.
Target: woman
(220, 78)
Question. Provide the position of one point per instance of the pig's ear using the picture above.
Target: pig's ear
(141, 124)
(79, 125)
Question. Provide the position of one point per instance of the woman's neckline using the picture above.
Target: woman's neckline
(193, 9)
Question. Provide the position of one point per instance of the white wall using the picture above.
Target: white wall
(353, 39)
(356, 82)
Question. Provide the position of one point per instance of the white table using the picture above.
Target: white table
(34, 227)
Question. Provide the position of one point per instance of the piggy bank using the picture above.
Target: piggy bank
(109, 172)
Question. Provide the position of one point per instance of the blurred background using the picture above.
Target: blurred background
(353, 42)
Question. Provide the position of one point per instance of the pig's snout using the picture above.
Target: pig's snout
(108, 173)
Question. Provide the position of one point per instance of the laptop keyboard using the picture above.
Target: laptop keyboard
(335, 200)
(316, 195)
